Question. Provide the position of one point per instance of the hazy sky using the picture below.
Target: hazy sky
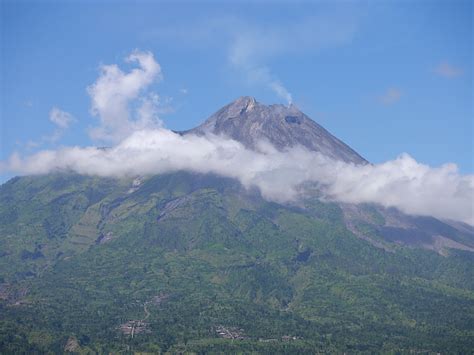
(386, 77)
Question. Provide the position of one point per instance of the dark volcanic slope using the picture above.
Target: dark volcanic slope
(250, 122)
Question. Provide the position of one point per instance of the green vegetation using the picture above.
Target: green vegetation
(81, 256)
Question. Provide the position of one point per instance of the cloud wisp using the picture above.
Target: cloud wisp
(249, 48)
(448, 71)
(403, 183)
(390, 97)
(62, 120)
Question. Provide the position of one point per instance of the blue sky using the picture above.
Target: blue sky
(386, 77)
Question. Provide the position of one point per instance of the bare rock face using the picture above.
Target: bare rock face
(250, 123)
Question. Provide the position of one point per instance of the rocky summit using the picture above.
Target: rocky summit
(250, 122)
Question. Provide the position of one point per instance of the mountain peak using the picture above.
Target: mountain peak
(241, 105)
(250, 122)
(245, 99)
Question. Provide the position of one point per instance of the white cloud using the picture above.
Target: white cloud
(447, 70)
(113, 91)
(391, 96)
(403, 183)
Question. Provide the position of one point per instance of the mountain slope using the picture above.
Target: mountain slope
(220, 257)
(250, 122)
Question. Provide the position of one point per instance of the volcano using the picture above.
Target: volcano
(194, 263)
(251, 123)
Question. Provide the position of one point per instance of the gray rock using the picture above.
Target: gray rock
(251, 122)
